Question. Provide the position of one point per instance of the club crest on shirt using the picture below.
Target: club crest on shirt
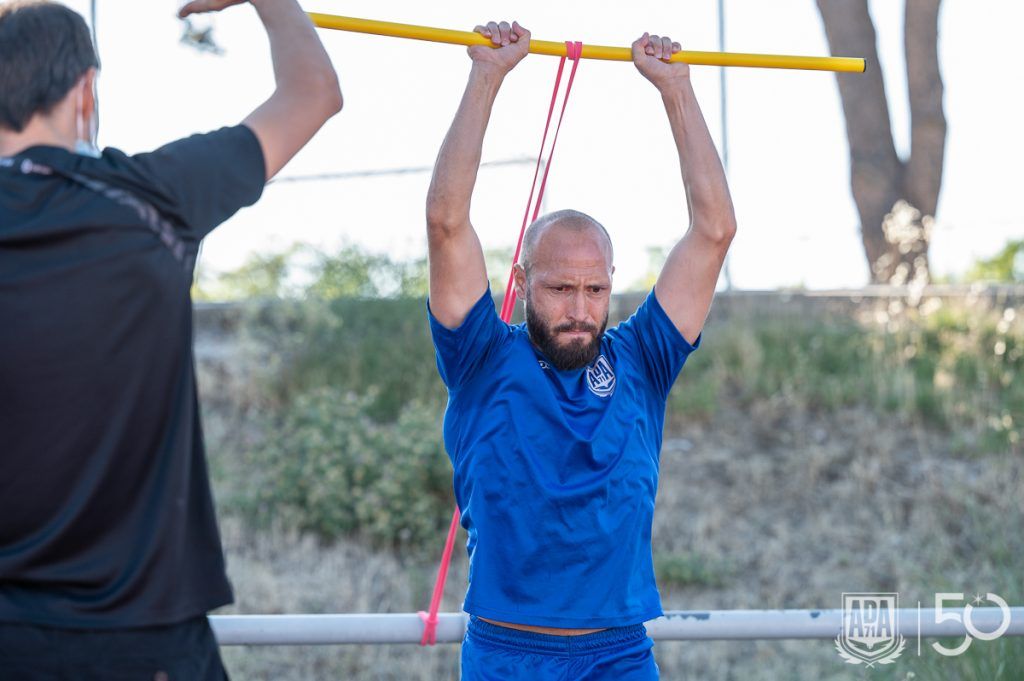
(601, 378)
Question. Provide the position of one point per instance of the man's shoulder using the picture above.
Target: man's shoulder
(113, 169)
(620, 337)
(511, 350)
(66, 161)
(620, 350)
(510, 340)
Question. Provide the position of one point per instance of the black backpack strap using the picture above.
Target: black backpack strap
(149, 215)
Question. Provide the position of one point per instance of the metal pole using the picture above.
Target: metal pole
(712, 625)
(92, 19)
(410, 170)
(264, 630)
(725, 124)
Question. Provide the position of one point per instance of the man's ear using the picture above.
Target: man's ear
(519, 273)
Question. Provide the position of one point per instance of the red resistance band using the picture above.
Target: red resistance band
(573, 52)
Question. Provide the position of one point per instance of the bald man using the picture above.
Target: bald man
(554, 427)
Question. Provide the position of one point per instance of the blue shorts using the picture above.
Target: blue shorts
(493, 653)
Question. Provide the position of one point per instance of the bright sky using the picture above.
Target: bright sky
(789, 171)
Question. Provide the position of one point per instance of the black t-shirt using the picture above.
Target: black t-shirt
(106, 515)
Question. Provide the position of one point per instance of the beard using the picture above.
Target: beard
(570, 356)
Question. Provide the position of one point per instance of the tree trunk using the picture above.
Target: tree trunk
(895, 200)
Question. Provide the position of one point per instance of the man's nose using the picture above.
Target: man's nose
(578, 308)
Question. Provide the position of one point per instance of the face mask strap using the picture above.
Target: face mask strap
(94, 122)
(85, 143)
(79, 114)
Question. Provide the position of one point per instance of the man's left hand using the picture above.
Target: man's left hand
(651, 55)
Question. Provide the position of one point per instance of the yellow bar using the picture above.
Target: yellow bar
(444, 35)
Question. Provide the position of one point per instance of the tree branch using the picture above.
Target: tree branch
(928, 123)
(876, 171)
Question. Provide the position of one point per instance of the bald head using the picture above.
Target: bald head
(571, 223)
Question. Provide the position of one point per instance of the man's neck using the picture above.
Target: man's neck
(40, 131)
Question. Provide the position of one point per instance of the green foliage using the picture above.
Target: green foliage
(302, 272)
(358, 368)
(354, 273)
(696, 394)
(963, 366)
(358, 322)
(816, 362)
(1006, 266)
(262, 276)
(676, 570)
(352, 398)
(379, 349)
(950, 365)
(327, 468)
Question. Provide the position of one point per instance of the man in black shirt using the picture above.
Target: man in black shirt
(110, 556)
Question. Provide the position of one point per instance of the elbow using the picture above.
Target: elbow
(440, 225)
(442, 221)
(726, 231)
(316, 97)
(337, 100)
(331, 89)
(321, 93)
(719, 232)
(440, 216)
(715, 220)
(723, 228)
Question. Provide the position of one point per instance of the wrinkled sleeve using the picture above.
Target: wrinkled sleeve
(461, 351)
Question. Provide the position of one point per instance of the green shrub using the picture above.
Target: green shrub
(954, 367)
(327, 468)
(303, 271)
(696, 394)
(684, 569)
(377, 348)
(358, 323)
(380, 348)
(1005, 266)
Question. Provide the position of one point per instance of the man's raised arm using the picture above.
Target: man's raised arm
(686, 284)
(458, 276)
(307, 92)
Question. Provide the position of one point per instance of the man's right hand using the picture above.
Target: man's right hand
(512, 43)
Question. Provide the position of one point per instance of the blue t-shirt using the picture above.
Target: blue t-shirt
(555, 472)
